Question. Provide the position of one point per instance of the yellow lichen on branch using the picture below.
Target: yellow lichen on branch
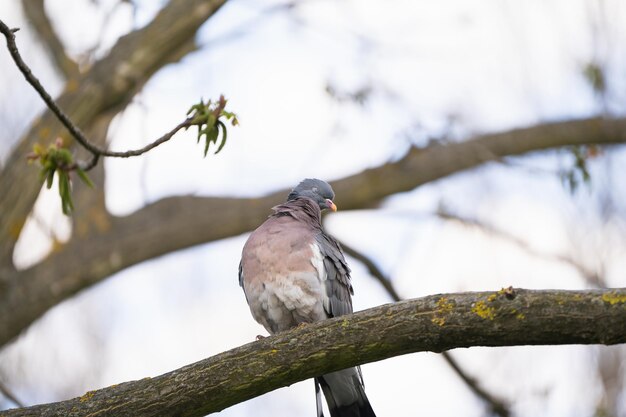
(483, 310)
(614, 298)
(444, 307)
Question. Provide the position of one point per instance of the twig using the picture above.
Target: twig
(96, 151)
(135, 152)
(10, 396)
(34, 82)
(373, 269)
(591, 277)
(88, 54)
(496, 405)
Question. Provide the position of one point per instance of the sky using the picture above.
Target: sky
(452, 67)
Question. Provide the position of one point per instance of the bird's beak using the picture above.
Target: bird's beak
(331, 205)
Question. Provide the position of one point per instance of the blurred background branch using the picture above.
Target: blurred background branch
(496, 405)
(403, 106)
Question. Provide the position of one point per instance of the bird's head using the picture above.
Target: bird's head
(317, 190)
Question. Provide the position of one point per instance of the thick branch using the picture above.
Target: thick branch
(187, 221)
(423, 165)
(497, 405)
(435, 323)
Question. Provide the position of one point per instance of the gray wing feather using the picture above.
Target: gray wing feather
(338, 287)
(241, 280)
(241, 273)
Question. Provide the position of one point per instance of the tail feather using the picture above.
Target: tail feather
(318, 398)
(345, 394)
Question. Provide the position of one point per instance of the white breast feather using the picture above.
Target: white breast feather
(318, 263)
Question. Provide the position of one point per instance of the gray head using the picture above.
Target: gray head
(317, 190)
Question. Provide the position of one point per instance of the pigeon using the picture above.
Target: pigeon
(293, 273)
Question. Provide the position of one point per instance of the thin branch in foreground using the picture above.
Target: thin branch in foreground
(202, 115)
(497, 405)
(435, 323)
(36, 84)
(56, 159)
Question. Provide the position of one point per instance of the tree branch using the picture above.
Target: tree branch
(183, 221)
(9, 34)
(373, 269)
(75, 131)
(434, 323)
(496, 405)
(109, 84)
(424, 165)
(591, 277)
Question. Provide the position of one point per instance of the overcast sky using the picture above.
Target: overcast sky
(459, 67)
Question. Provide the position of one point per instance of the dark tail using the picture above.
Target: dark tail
(344, 394)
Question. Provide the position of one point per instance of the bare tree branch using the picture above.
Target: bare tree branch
(38, 18)
(423, 165)
(591, 277)
(77, 134)
(88, 54)
(36, 84)
(109, 84)
(120, 242)
(496, 405)
(434, 323)
(373, 269)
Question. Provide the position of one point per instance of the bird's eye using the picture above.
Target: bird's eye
(315, 189)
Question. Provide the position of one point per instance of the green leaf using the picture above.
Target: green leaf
(209, 119)
(49, 178)
(64, 156)
(83, 176)
(65, 193)
(211, 137)
(210, 123)
(45, 167)
(223, 126)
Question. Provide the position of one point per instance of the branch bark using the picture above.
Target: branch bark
(496, 405)
(434, 323)
(120, 242)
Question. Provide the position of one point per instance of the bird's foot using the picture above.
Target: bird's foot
(259, 337)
